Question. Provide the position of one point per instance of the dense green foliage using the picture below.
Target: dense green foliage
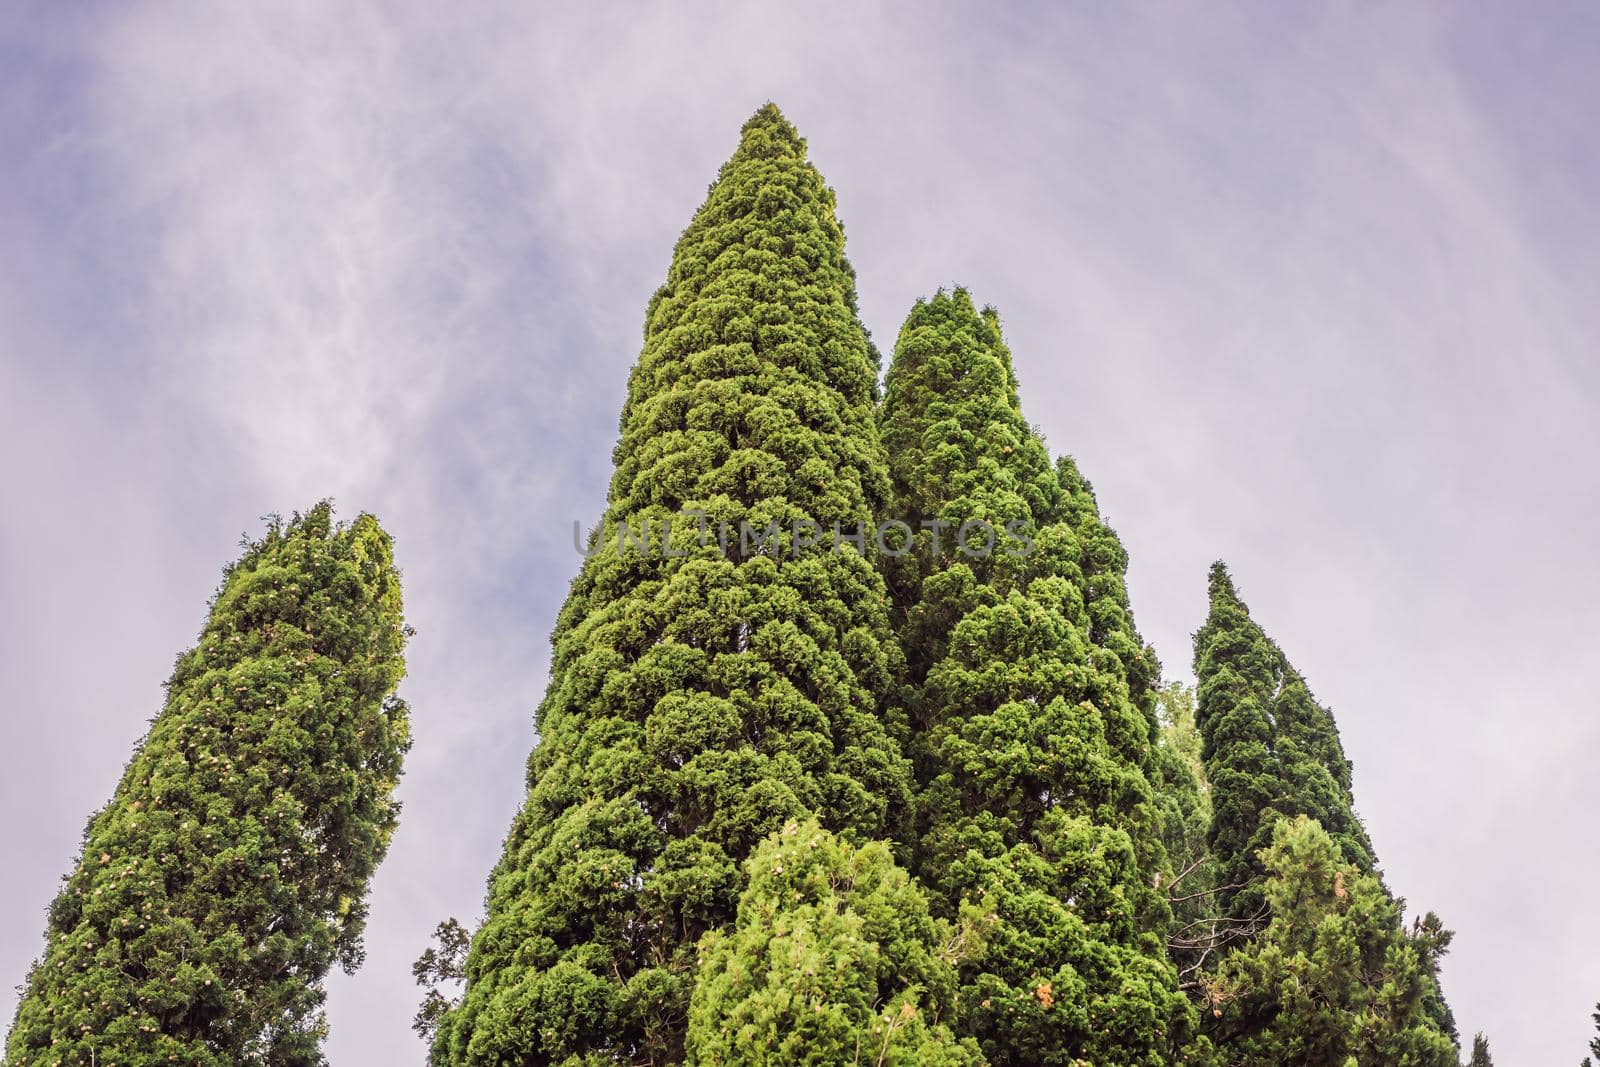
(916, 797)
(1315, 966)
(699, 702)
(834, 959)
(851, 753)
(1270, 750)
(1330, 981)
(1030, 749)
(228, 872)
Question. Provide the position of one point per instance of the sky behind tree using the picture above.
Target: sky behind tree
(1313, 291)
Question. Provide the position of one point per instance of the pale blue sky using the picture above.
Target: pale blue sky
(1314, 290)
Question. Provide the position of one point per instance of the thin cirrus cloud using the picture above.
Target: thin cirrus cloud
(1312, 293)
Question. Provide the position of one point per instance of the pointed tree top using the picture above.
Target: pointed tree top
(1221, 582)
(945, 305)
(768, 135)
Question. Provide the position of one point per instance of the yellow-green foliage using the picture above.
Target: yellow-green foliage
(834, 959)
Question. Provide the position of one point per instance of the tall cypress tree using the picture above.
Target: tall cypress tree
(1302, 986)
(228, 872)
(1030, 746)
(1270, 750)
(1480, 1052)
(700, 701)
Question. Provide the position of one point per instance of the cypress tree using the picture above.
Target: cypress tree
(1031, 749)
(1297, 875)
(228, 872)
(1331, 981)
(1271, 751)
(701, 700)
(1480, 1052)
(1594, 1043)
(833, 959)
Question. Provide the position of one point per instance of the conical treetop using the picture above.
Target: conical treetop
(710, 685)
(757, 378)
(1033, 806)
(767, 134)
(1271, 750)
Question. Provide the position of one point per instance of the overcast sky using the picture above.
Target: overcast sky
(1314, 290)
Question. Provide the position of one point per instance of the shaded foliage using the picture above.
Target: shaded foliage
(1270, 750)
(1297, 983)
(1028, 697)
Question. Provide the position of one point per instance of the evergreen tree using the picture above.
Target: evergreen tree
(1031, 750)
(228, 872)
(1330, 981)
(1432, 941)
(1594, 1043)
(1104, 564)
(1271, 751)
(1283, 831)
(700, 701)
(833, 960)
(1480, 1053)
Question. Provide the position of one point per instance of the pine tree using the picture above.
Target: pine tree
(833, 960)
(1594, 1043)
(1330, 981)
(1480, 1053)
(702, 700)
(1031, 754)
(228, 872)
(1271, 751)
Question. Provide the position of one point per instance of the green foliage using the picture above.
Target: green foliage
(1183, 803)
(1270, 750)
(700, 702)
(1031, 748)
(834, 959)
(1331, 981)
(1280, 790)
(1480, 1053)
(1594, 1043)
(446, 966)
(228, 872)
(1185, 797)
